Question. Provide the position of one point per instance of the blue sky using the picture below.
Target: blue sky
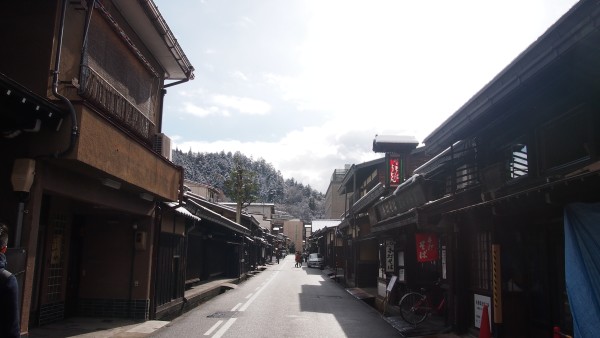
(306, 85)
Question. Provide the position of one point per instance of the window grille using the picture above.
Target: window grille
(481, 260)
(57, 259)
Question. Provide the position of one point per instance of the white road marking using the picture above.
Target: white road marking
(225, 327)
(214, 327)
(236, 307)
(148, 326)
(245, 306)
(248, 296)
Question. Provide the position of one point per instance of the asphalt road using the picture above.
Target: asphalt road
(282, 301)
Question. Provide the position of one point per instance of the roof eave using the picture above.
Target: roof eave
(524, 66)
(145, 19)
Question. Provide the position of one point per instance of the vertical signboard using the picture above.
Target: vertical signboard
(394, 176)
(427, 247)
(389, 256)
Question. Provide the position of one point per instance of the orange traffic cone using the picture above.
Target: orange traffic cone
(484, 329)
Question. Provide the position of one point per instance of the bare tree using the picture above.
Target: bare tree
(241, 186)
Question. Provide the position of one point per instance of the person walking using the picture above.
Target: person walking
(298, 259)
(9, 293)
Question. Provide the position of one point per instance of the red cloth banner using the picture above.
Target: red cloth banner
(394, 171)
(427, 247)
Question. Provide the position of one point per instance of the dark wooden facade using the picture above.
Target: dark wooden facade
(505, 166)
(86, 125)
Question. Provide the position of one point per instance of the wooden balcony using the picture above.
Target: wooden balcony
(97, 90)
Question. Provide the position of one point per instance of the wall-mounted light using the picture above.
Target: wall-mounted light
(147, 197)
(23, 174)
(111, 183)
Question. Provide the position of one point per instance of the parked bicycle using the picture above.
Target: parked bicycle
(415, 307)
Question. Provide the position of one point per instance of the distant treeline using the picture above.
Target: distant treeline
(289, 196)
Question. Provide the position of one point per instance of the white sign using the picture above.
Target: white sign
(390, 286)
(444, 262)
(479, 301)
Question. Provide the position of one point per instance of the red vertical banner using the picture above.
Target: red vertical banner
(394, 175)
(427, 247)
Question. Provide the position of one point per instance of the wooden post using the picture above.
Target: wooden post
(497, 284)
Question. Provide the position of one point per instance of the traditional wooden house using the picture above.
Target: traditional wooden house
(362, 185)
(83, 86)
(511, 194)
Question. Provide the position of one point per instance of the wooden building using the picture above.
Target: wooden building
(83, 86)
(507, 167)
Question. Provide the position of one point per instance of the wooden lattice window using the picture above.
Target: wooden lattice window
(481, 260)
(57, 259)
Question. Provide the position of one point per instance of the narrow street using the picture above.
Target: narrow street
(282, 301)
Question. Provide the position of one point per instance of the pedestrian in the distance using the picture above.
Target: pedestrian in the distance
(9, 291)
(298, 259)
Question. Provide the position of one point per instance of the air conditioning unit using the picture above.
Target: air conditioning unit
(162, 145)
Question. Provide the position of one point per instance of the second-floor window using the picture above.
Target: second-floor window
(466, 175)
(570, 139)
(518, 165)
(117, 76)
(369, 183)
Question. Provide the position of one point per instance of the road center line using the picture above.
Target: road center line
(248, 296)
(236, 307)
(207, 333)
(224, 328)
(245, 306)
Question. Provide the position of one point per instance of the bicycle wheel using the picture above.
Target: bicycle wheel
(413, 308)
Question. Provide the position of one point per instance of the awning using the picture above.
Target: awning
(182, 211)
(262, 240)
(211, 216)
(544, 187)
(398, 221)
(368, 199)
(23, 110)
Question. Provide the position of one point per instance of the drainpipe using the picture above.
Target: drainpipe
(74, 126)
(132, 272)
(156, 248)
(180, 81)
(181, 178)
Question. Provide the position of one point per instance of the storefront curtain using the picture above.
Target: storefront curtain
(582, 266)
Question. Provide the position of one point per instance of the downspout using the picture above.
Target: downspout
(55, 72)
(132, 271)
(180, 81)
(181, 192)
(155, 251)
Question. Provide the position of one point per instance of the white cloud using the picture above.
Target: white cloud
(196, 110)
(244, 22)
(308, 155)
(244, 105)
(382, 67)
(238, 75)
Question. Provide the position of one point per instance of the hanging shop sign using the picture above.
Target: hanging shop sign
(394, 164)
(427, 247)
(389, 255)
